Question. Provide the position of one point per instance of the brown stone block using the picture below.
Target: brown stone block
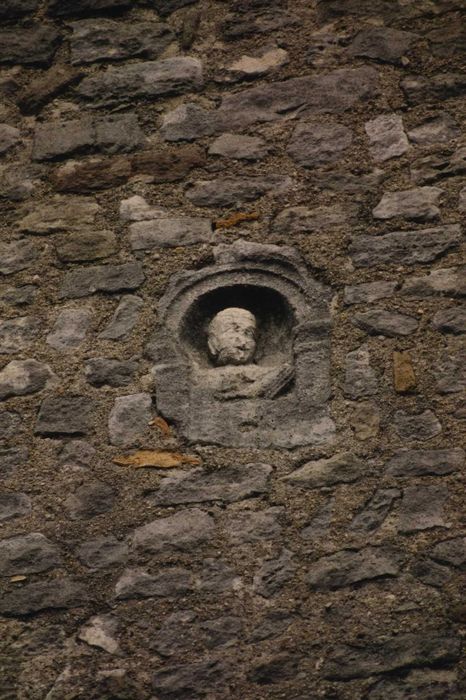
(47, 86)
(91, 175)
(168, 165)
(404, 378)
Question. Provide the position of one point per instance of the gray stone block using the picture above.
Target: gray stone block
(382, 322)
(425, 462)
(27, 554)
(66, 414)
(185, 530)
(353, 566)
(101, 278)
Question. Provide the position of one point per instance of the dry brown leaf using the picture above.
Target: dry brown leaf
(17, 579)
(150, 458)
(162, 425)
(236, 219)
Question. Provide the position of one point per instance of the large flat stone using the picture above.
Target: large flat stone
(405, 650)
(360, 378)
(316, 144)
(353, 566)
(27, 554)
(170, 232)
(227, 484)
(304, 220)
(107, 40)
(450, 281)
(14, 505)
(17, 334)
(274, 573)
(59, 214)
(129, 419)
(340, 469)
(434, 89)
(70, 329)
(21, 377)
(387, 138)
(451, 320)
(405, 247)
(77, 246)
(66, 414)
(451, 552)
(43, 595)
(225, 191)
(92, 174)
(422, 508)
(42, 89)
(28, 45)
(419, 203)
(168, 583)
(382, 322)
(101, 278)
(382, 44)
(421, 426)
(17, 256)
(425, 462)
(185, 530)
(147, 80)
(375, 510)
(124, 319)
(109, 135)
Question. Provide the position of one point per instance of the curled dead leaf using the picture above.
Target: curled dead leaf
(162, 425)
(236, 219)
(151, 458)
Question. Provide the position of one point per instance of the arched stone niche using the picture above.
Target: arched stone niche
(279, 397)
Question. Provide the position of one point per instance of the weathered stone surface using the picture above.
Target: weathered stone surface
(21, 377)
(387, 138)
(185, 530)
(365, 420)
(17, 334)
(422, 426)
(27, 554)
(11, 458)
(430, 572)
(167, 165)
(191, 680)
(417, 203)
(67, 414)
(77, 452)
(169, 583)
(320, 522)
(333, 92)
(9, 136)
(89, 500)
(136, 208)
(432, 168)
(67, 8)
(236, 27)
(250, 67)
(253, 526)
(405, 247)
(217, 577)
(375, 510)
(107, 40)
(189, 122)
(166, 7)
(277, 668)
(342, 468)
(45, 87)
(353, 566)
(60, 214)
(440, 128)
(129, 418)
(239, 147)
(10, 424)
(382, 43)
(70, 329)
(425, 462)
(14, 505)
(419, 89)
(103, 552)
(170, 232)
(383, 655)
(350, 181)
(17, 255)
(450, 281)
(85, 245)
(19, 296)
(450, 372)
(110, 135)
(226, 484)
(368, 292)
(100, 631)
(304, 220)
(102, 278)
(150, 79)
(451, 552)
(87, 176)
(422, 508)
(43, 595)
(11, 9)
(226, 191)
(28, 45)
(360, 378)
(452, 320)
(423, 684)
(274, 574)
(124, 319)
(382, 322)
(315, 144)
(102, 371)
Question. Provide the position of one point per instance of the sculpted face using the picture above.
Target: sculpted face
(231, 337)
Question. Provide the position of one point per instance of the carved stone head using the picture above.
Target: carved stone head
(231, 337)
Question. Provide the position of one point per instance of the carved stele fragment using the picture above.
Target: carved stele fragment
(241, 350)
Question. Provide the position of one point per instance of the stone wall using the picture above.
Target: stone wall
(134, 137)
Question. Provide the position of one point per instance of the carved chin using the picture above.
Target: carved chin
(234, 356)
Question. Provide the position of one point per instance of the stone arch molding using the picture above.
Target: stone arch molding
(279, 396)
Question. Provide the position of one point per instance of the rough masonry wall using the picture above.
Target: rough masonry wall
(134, 136)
